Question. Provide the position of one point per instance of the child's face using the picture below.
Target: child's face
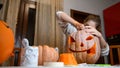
(90, 23)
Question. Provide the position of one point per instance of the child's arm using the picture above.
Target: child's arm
(66, 18)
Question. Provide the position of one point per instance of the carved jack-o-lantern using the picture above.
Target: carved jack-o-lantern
(6, 42)
(86, 47)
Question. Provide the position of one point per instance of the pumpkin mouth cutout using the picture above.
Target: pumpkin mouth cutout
(91, 50)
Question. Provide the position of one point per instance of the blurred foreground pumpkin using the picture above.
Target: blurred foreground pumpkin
(86, 47)
(6, 42)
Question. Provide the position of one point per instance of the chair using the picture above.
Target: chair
(116, 55)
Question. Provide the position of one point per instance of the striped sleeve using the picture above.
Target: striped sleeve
(105, 51)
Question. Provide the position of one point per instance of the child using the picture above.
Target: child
(69, 25)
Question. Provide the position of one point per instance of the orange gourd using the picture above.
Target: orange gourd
(68, 59)
(47, 54)
(86, 47)
(6, 42)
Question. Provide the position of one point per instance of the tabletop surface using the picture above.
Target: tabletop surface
(79, 66)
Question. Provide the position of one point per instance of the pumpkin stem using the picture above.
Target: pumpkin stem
(5, 24)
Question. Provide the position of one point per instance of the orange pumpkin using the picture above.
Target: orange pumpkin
(6, 42)
(86, 47)
(68, 59)
(47, 54)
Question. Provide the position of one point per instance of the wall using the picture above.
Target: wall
(90, 6)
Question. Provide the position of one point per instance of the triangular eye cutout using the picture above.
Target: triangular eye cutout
(72, 40)
(89, 38)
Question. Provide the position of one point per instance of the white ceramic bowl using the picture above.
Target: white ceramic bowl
(54, 64)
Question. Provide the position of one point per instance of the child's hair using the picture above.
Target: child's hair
(95, 19)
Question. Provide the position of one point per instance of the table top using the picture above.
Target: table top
(79, 66)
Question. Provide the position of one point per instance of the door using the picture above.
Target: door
(26, 22)
(29, 23)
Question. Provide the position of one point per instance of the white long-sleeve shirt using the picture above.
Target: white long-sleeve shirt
(69, 28)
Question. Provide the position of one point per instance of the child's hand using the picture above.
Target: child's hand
(79, 26)
(92, 31)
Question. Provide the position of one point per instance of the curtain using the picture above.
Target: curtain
(47, 30)
(12, 14)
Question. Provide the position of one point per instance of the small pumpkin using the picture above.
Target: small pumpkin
(68, 59)
(86, 47)
(47, 54)
(6, 42)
